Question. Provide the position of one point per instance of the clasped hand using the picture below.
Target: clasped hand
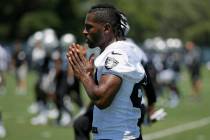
(81, 66)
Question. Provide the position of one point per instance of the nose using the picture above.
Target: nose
(85, 32)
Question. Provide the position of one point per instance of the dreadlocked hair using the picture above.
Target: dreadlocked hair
(106, 13)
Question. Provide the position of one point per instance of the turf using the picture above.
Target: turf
(188, 110)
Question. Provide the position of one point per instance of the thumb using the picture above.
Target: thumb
(91, 59)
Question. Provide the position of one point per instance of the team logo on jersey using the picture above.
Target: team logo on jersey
(116, 53)
(110, 63)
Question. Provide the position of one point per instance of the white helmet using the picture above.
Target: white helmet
(50, 40)
(67, 39)
(34, 38)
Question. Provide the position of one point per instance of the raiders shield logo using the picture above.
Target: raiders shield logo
(110, 63)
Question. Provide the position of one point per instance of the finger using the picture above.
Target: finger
(71, 57)
(71, 62)
(84, 60)
(78, 53)
(75, 59)
(82, 52)
(73, 66)
(72, 46)
(77, 56)
(79, 50)
(92, 57)
(68, 54)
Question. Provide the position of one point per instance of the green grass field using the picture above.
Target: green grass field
(17, 119)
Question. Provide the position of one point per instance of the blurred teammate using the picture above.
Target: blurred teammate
(115, 91)
(168, 76)
(2, 128)
(4, 62)
(64, 83)
(21, 67)
(4, 65)
(40, 105)
(193, 62)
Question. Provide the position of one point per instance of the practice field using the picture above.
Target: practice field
(190, 120)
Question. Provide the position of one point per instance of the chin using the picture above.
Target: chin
(90, 45)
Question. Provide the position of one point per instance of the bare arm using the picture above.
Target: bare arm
(102, 94)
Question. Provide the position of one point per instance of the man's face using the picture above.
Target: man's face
(93, 31)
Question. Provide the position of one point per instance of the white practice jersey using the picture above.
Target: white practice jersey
(141, 54)
(4, 59)
(119, 120)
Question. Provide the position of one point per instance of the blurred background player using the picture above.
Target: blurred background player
(193, 63)
(20, 66)
(2, 128)
(168, 75)
(56, 86)
(4, 66)
(165, 67)
(41, 65)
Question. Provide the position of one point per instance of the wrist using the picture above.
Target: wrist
(84, 78)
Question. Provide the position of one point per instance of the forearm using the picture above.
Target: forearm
(91, 87)
(101, 94)
(151, 109)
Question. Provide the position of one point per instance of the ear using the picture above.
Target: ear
(107, 28)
